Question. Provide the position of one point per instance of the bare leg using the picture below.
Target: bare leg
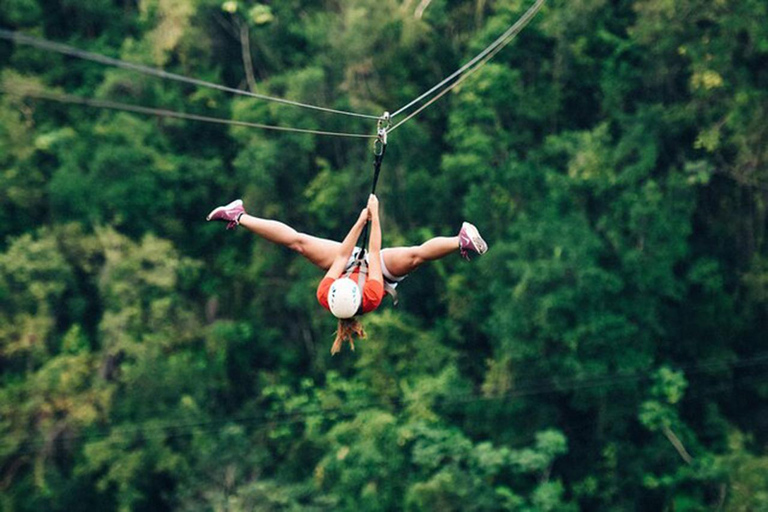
(404, 260)
(319, 251)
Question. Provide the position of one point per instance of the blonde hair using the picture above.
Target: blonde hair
(347, 329)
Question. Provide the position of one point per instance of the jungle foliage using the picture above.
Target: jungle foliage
(608, 353)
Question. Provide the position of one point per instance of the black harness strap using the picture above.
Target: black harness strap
(377, 158)
(389, 286)
(379, 148)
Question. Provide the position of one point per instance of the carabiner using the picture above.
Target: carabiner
(381, 134)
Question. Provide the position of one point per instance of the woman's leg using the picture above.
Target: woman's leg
(401, 261)
(319, 251)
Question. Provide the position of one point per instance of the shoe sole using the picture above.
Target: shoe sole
(474, 237)
(233, 204)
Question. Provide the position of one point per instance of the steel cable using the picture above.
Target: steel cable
(113, 105)
(109, 61)
(352, 407)
(481, 57)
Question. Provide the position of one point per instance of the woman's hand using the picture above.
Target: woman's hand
(373, 206)
(364, 216)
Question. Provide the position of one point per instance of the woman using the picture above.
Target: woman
(348, 288)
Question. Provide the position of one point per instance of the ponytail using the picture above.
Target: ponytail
(347, 329)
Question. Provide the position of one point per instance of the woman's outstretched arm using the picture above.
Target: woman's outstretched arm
(374, 242)
(347, 246)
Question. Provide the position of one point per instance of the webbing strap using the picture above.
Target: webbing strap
(379, 148)
(378, 156)
(389, 288)
(361, 277)
(363, 270)
(391, 291)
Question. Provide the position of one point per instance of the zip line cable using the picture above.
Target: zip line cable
(462, 73)
(500, 42)
(113, 105)
(262, 422)
(442, 93)
(64, 49)
(488, 56)
(352, 407)
(712, 365)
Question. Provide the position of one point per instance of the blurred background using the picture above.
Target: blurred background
(609, 352)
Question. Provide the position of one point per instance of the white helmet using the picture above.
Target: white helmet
(344, 298)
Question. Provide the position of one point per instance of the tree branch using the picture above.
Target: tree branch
(245, 45)
(677, 444)
(421, 8)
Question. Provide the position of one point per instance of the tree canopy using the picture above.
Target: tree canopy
(607, 353)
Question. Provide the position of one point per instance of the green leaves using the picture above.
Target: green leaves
(21, 12)
(612, 156)
(481, 476)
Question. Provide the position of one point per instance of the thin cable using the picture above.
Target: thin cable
(452, 86)
(109, 61)
(353, 406)
(447, 89)
(113, 105)
(500, 42)
(263, 422)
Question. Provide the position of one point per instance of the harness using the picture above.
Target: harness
(362, 264)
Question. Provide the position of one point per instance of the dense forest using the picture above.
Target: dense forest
(609, 352)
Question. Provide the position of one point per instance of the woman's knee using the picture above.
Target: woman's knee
(299, 243)
(319, 251)
(412, 257)
(416, 256)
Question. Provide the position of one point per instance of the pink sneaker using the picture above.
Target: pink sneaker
(470, 240)
(230, 213)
